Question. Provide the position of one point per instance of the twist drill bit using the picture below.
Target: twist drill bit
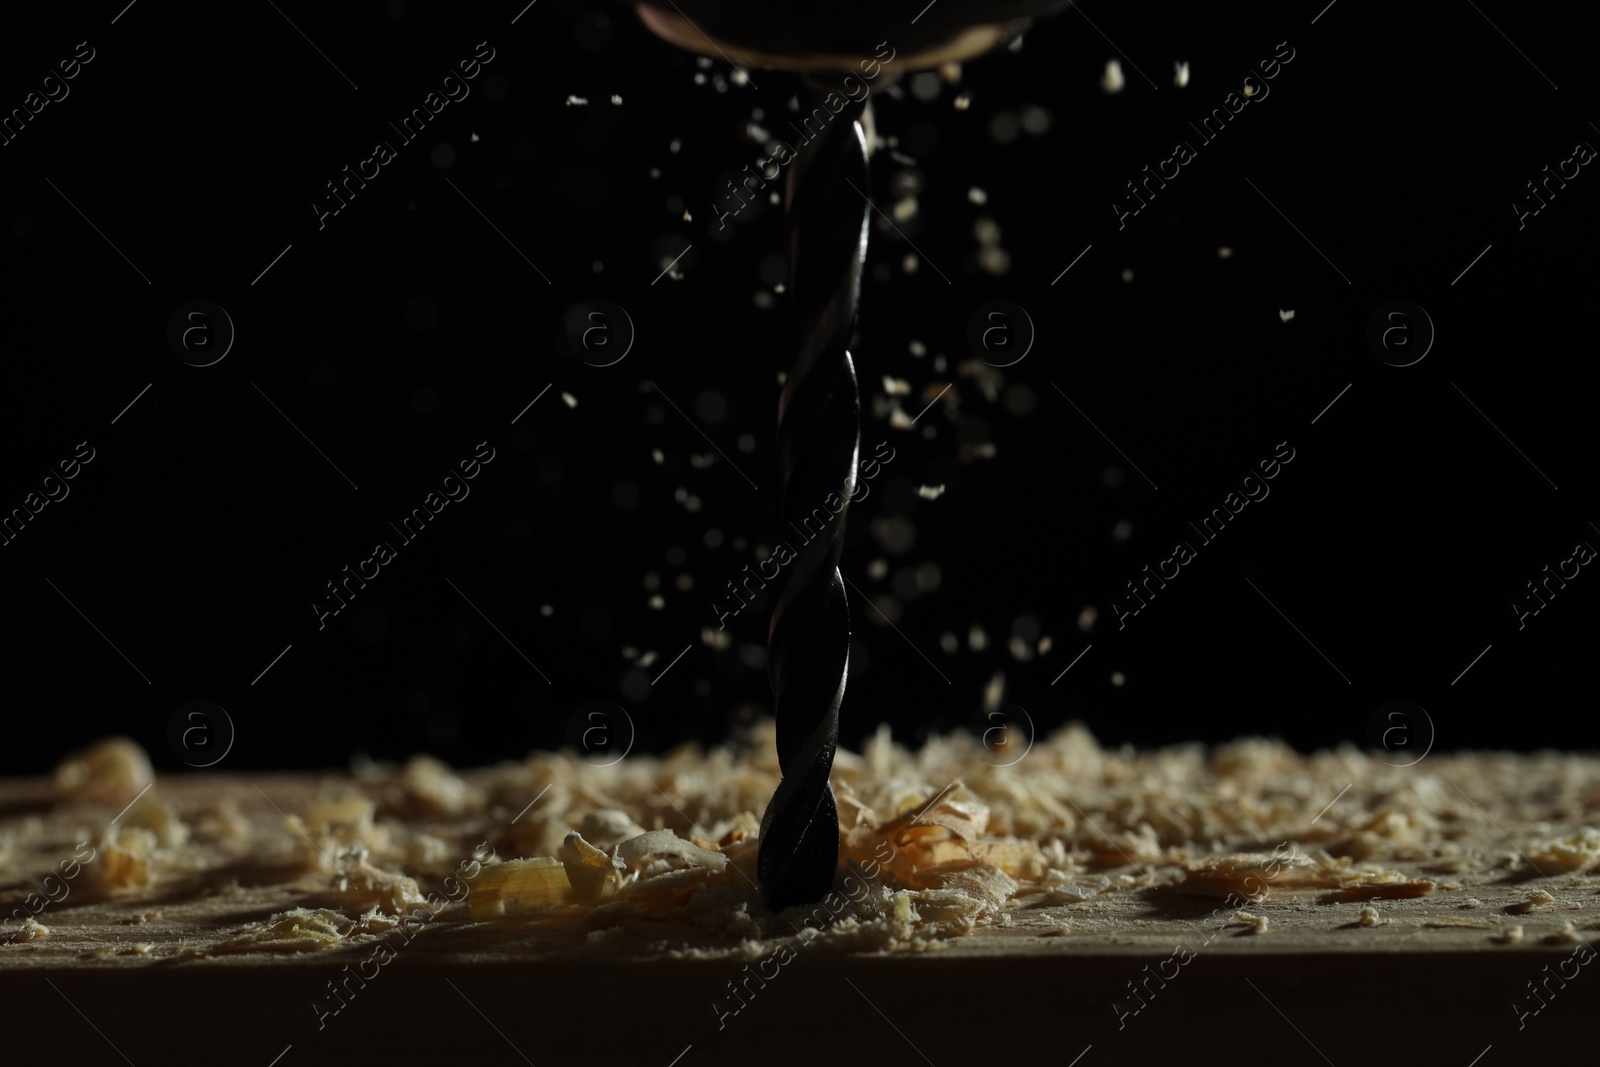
(819, 412)
(819, 432)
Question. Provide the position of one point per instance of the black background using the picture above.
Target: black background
(408, 330)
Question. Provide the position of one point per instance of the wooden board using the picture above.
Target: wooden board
(1141, 967)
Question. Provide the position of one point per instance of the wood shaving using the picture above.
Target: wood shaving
(428, 788)
(1456, 920)
(364, 885)
(151, 813)
(593, 874)
(668, 843)
(1256, 923)
(948, 909)
(305, 930)
(1578, 851)
(1369, 917)
(1247, 874)
(1140, 845)
(1537, 899)
(988, 885)
(324, 816)
(1382, 889)
(113, 770)
(1566, 935)
(1020, 859)
(125, 860)
(1389, 832)
(327, 827)
(1509, 936)
(221, 819)
(608, 827)
(28, 930)
(534, 882)
(1067, 895)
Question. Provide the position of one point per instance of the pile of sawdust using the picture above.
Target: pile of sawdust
(933, 843)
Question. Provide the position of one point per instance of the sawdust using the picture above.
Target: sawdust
(935, 843)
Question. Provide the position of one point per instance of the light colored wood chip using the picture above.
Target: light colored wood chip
(1536, 900)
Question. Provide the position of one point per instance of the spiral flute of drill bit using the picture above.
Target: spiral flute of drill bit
(819, 431)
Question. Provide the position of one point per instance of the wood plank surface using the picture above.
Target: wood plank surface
(1118, 952)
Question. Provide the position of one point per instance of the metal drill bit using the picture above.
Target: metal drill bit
(819, 432)
(819, 413)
